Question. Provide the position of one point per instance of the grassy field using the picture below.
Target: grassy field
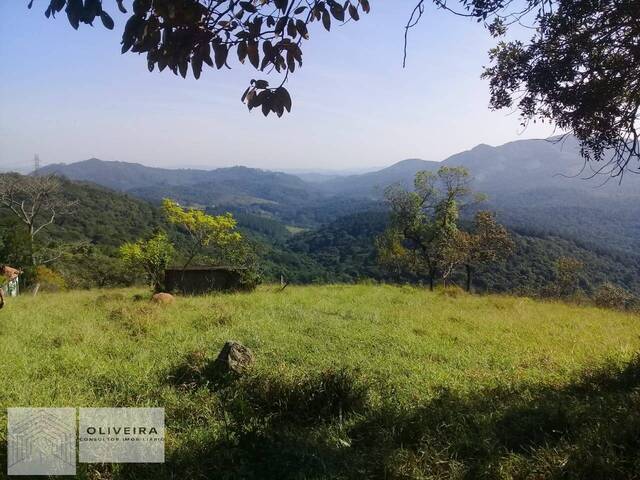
(349, 381)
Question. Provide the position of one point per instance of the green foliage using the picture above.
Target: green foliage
(88, 267)
(487, 243)
(568, 275)
(14, 242)
(49, 280)
(150, 256)
(215, 233)
(392, 255)
(424, 223)
(576, 72)
(103, 217)
(342, 250)
(612, 296)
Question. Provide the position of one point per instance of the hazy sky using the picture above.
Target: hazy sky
(70, 95)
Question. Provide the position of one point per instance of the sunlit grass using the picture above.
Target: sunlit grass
(405, 344)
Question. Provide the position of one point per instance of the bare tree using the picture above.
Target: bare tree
(36, 201)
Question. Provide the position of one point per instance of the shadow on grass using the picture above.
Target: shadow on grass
(327, 424)
(322, 426)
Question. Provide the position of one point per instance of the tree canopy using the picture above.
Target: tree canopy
(580, 70)
(188, 34)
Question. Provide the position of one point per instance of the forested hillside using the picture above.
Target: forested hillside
(340, 250)
(344, 252)
(535, 185)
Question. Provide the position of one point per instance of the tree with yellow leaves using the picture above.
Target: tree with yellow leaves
(204, 231)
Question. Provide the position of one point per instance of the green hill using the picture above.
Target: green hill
(103, 217)
(349, 382)
(534, 184)
(344, 252)
(340, 250)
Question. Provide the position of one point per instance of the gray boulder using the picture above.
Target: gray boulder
(234, 357)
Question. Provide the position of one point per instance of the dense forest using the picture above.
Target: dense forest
(83, 247)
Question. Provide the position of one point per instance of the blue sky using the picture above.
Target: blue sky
(70, 95)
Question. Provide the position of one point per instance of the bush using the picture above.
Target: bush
(250, 278)
(49, 280)
(609, 295)
(95, 270)
(149, 256)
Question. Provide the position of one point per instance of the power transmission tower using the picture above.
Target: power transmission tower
(36, 163)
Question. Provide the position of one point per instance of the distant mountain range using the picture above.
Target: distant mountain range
(534, 185)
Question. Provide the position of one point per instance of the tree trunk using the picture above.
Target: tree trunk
(32, 258)
(431, 282)
(469, 272)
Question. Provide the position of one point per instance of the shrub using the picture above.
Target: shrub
(95, 269)
(609, 295)
(150, 256)
(49, 280)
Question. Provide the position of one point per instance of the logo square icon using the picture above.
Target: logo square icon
(41, 441)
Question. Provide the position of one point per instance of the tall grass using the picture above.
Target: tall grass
(349, 381)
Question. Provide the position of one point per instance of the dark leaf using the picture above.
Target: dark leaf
(253, 54)
(249, 7)
(326, 20)
(337, 11)
(205, 51)
(196, 65)
(302, 29)
(266, 102)
(242, 51)
(107, 21)
(285, 98)
(162, 63)
(251, 99)
(280, 25)
(291, 61)
(281, 4)
(291, 29)
(220, 54)
(353, 12)
(183, 66)
(244, 95)
(128, 36)
(74, 12)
